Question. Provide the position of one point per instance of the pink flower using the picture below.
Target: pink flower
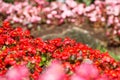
(17, 73)
(114, 32)
(71, 3)
(47, 9)
(79, 9)
(102, 19)
(63, 7)
(77, 77)
(49, 16)
(119, 32)
(87, 71)
(54, 72)
(93, 19)
(116, 10)
(48, 22)
(3, 78)
(54, 12)
(112, 1)
(54, 5)
(110, 19)
(98, 2)
(116, 20)
(57, 16)
(89, 8)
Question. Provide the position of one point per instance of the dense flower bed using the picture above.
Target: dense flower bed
(25, 57)
(100, 14)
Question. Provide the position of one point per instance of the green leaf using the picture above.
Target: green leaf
(41, 63)
(87, 2)
(44, 58)
(28, 65)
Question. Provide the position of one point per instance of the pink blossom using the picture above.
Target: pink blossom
(71, 3)
(57, 16)
(54, 5)
(98, 2)
(110, 19)
(118, 32)
(79, 9)
(3, 78)
(64, 7)
(87, 71)
(61, 21)
(89, 8)
(102, 19)
(109, 10)
(72, 20)
(54, 72)
(54, 12)
(116, 10)
(93, 19)
(112, 1)
(116, 20)
(47, 9)
(49, 16)
(48, 22)
(17, 73)
(114, 32)
(77, 77)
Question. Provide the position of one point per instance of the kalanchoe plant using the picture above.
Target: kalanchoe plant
(19, 50)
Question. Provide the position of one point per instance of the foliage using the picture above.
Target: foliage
(9, 1)
(104, 49)
(87, 2)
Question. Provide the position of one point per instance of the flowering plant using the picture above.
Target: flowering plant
(25, 57)
(100, 14)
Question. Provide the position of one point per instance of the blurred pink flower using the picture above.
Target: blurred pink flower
(89, 8)
(49, 16)
(116, 20)
(77, 77)
(48, 21)
(102, 19)
(87, 71)
(93, 19)
(71, 3)
(54, 72)
(79, 9)
(47, 9)
(54, 5)
(54, 12)
(17, 73)
(116, 10)
(110, 19)
(118, 32)
(3, 78)
(64, 7)
(112, 1)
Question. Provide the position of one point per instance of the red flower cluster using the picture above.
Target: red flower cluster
(18, 47)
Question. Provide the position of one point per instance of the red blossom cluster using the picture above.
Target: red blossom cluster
(18, 47)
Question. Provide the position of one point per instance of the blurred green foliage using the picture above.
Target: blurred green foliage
(87, 2)
(9, 1)
(112, 54)
(51, 0)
